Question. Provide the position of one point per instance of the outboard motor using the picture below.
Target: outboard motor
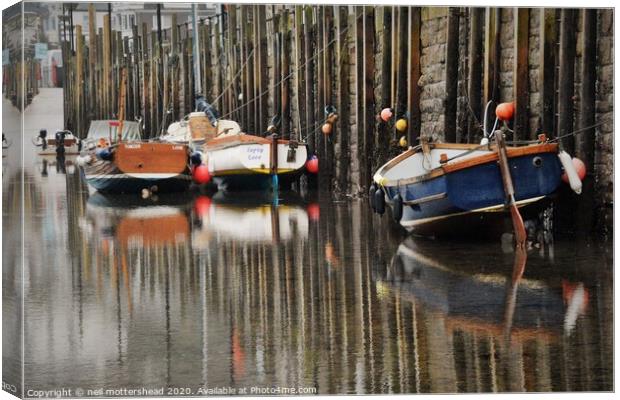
(208, 109)
(60, 143)
(43, 137)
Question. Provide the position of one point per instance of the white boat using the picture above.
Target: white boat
(235, 159)
(49, 143)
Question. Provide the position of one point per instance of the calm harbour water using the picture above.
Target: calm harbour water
(191, 291)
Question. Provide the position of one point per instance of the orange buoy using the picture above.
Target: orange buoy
(401, 125)
(326, 128)
(505, 111)
(386, 114)
(201, 174)
(312, 165)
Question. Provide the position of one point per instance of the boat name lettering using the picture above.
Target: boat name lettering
(255, 153)
(177, 147)
(132, 146)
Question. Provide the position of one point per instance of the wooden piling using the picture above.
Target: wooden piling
(106, 67)
(452, 74)
(491, 57)
(547, 69)
(474, 88)
(521, 74)
(413, 102)
(566, 78)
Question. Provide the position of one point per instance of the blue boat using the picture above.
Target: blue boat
(434, 188)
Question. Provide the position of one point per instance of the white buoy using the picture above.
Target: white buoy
(484, 141)
(569, 169)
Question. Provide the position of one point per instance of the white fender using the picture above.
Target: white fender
(81, 161)
(569, 169)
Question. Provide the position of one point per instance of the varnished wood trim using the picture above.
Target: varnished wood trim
(227, 141)
(512, 152)
(466, 163)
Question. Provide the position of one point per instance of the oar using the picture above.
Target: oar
(511, 290)
(517, 220)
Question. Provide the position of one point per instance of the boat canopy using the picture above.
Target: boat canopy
(102, 129)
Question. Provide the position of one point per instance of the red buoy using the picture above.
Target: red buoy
(505, 111)
(580, 168)
(314, 211)
(201, 174)
(202, 206)
(312, 165)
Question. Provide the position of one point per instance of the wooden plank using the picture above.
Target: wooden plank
(547, 69)
(413, 103)
(474, 79)
(452, 69)
(567, 78)
(521, 74)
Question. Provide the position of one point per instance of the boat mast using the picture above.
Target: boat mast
(121, 105)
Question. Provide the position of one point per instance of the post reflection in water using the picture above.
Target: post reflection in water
(219, 291)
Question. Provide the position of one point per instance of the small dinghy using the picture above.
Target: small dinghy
(63, 142)
(436, 188)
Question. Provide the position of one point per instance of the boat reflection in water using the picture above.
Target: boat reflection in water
(251, 218)
(485, 317)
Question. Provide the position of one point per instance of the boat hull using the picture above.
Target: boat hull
(130, 171)
(243, 162)
(475, 194)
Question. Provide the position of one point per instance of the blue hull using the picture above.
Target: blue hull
(474, 190)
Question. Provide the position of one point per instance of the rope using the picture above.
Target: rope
(579, 131)
(272, 87)
(573, 133)
(234, 78)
